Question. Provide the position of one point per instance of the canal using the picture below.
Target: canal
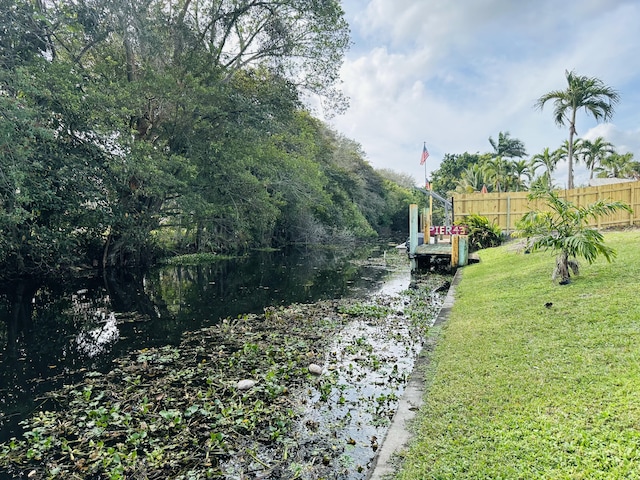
(54, 333)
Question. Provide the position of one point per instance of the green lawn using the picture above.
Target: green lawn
(521, 391)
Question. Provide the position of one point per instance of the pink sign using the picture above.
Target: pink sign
(447, 230)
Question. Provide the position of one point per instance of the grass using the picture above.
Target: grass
(518, 390)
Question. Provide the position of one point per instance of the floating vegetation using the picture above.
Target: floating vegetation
(365, 310)
(196, 259)
(302, 391)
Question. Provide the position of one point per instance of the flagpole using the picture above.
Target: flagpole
(423, 160)
(425, 165)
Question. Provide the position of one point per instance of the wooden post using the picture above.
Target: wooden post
(455, 240)
(633, 196)
(426, 224)
(413, 234)
(463, 250)
(508, 215)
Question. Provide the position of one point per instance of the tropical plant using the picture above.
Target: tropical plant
(508, 147)
(588, 93)
(562, 152)
(445, 179)
(593, 153)
(482, 233)
(619, 165)
(500, 173)
(564, 228)
(547, 160)
(473, 178)
(522, 173)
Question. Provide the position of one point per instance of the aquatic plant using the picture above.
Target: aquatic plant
(176, 412)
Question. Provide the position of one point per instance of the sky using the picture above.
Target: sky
(453, 73)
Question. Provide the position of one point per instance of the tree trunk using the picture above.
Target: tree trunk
(572, 132)
(562, 268)
(105, 252)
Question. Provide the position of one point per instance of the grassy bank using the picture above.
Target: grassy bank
(521, 390)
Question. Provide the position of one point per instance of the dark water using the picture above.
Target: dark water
(50, 333)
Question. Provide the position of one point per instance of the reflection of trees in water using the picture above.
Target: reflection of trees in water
(95, 341)
(229, 288)
(51, 331)
(42, 319)
(16, 309)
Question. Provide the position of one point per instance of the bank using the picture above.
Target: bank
(531, 379)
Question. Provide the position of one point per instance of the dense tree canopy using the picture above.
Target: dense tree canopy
(131, 127)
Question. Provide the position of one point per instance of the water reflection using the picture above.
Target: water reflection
(52, 333)
(96, 341)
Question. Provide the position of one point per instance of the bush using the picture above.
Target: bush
(482, 233)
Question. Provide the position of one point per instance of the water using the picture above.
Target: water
(53, 332)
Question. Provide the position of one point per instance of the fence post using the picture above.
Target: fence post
(634, 200)
(508, 214)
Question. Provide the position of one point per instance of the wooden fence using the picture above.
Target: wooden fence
(505, 209)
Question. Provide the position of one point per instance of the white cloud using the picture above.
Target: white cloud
(454, 73)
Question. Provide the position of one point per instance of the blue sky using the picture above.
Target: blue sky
(455, 72)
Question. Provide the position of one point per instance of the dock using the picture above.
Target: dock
(441, 246)
(433, 254)
(440, 255)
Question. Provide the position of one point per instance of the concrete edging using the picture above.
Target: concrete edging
(398, 435)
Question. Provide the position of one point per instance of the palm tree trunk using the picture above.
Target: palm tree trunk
(572, 132)
(562, 267)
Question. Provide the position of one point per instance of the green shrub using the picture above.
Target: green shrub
(482, 233)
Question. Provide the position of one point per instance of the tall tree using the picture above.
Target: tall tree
(507, 147)
(500, 172)
(125, 117)
(445, 179)
(562, 152)
(592, 153)
(522, 172)
(548, 160)
(588, 93)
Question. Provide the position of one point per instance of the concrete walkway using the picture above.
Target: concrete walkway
(398, 435)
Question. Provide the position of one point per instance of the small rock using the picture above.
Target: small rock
(315, 369)
(246, 384)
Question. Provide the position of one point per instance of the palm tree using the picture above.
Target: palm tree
(472, 179)
(589, 93)
(619, 165)
(499, 173)
(592, 153)
(507, 146)
(522, 173)
(563, 151)
(547, 160)
(563, 228)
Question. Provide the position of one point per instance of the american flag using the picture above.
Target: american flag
(425, 154)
